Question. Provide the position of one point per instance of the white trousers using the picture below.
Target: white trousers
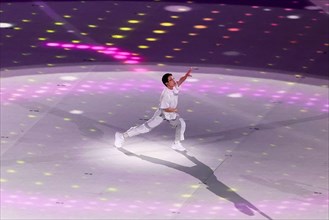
(155, 121)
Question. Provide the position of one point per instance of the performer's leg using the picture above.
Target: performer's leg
(155, 121)
(180, 125)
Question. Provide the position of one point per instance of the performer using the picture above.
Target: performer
(167, 111)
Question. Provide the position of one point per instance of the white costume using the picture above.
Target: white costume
(168, 99)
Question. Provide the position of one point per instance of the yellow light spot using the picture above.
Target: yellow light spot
(169, 57)
(167, 24)
(75, 186)
(232, 190)
(303, 110)
(67, 16)
(11, 171)
(200, 26)
(51, 31)
(31, 116)
(133, 21)
(174, 16)
(17, 28)
(151, 39)
(117, 36)
(38, 183)
(208, 19)
(186, 195)
(189, 110)
(92, 26)
(67, 119)
(177, 49)
(60, 57)
(290, 83)
(195, 186)
(111, 189)
(20, 161)
(3, 180)
(193, 34)
(76, 41)
(125, 29)
(42, 38)
(92, 130)
(159, 31)
(84, 34)
(59, 23)
(47, 174)
(26, 20)
(143, 46)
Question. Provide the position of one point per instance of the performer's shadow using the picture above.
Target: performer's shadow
(206, 175)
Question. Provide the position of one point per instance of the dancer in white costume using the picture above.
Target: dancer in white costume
(167, 111)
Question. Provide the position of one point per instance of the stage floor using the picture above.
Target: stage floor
(257, 145)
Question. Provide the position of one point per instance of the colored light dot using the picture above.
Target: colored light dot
(92, 26)
(59, 23)
(189, 110)
(233, 29)
(42, 38)
(186, 195)
(208, 19)
(67, 16)
(125, 28)
(50, 31)
(32, 116)
(26, 20)
(133, 21)
(75, 41)
(177, 49)
(75, 186)
(3, 180)
(169, 57)
(195, 186)
(47, 174)
(38, 183)
(159, 31)
(20, 161)
(200, 26)
(151, 39)
(17, 28)
(67, 119)
(167, 24)
(118, 36)
(11, 171)
(111, 189)
(143, 46)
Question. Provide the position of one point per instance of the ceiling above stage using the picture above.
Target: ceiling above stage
(289, 37)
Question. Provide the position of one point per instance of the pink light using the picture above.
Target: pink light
(233, 29)
(131, 62)
(52, 44)
(82, 46)
(120, 57)
(68, 45)
(125, 56)
(98, 48)
(108, 52)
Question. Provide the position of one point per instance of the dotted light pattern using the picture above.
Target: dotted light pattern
(114, 52)
(131, 207)
(229, 89)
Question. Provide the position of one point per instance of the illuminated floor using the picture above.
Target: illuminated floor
(257, 147)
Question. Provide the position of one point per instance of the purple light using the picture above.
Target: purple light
(52, 44)
(124, 56)
(68, 45)
(82, 46)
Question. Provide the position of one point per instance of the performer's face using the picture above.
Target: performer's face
(171, 82)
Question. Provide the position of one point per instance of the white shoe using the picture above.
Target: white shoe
(118, 140)
(178, 146)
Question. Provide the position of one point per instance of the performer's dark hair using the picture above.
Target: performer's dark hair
(165, 78)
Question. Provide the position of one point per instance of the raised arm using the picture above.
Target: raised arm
(183, 78)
